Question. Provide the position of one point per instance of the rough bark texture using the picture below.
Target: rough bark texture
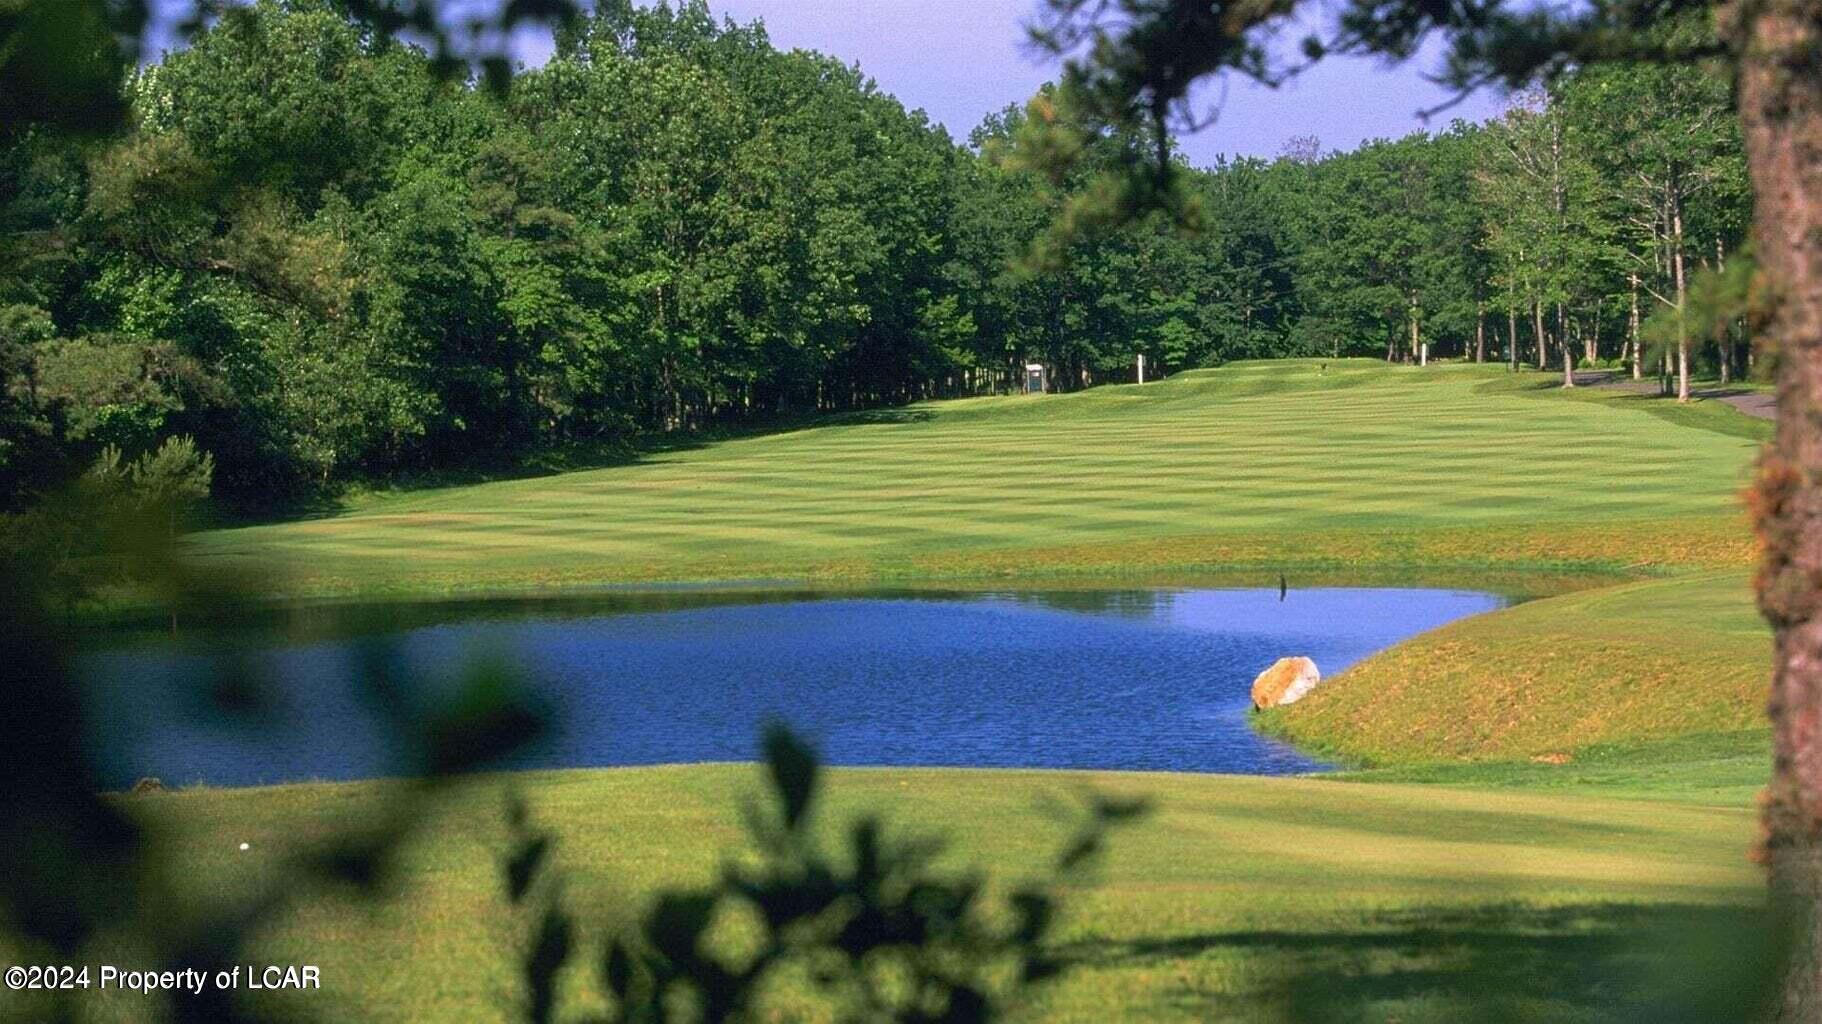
(1780, 45)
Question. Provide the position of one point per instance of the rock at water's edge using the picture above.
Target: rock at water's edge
(1286, 682)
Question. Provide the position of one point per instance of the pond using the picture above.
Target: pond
(1147, 679)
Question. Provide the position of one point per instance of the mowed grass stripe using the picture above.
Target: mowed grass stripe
(1289, 447)
(1232, 889)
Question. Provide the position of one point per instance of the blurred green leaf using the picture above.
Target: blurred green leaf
(793, 771)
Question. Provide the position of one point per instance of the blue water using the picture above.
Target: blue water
(1152, 680)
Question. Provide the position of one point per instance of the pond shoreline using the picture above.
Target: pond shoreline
(996, 678)
(153, 622)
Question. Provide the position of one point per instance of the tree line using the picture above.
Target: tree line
(324, 263)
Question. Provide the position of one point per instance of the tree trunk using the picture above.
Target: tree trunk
(1724, 330)
(1480, 332)
(1419, 347)
(1780, 97)
(1562, 334)
(1638, 348)
(1512, 335)
(1682, 304)
(1560, 204)
(1537, 327)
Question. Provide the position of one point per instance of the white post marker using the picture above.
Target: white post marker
(1141, 367)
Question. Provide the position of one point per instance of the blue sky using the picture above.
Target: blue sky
(961, 59)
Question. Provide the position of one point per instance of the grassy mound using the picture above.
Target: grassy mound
(1632, 663)
(1240, 899)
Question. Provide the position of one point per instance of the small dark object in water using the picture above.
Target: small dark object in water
(1283, 586)
(148, 784)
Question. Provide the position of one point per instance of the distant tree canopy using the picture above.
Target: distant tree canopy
(323, 261)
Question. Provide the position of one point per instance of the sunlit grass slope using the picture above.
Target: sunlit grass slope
(1294, 464)
(1240, 899)
(1635, 662)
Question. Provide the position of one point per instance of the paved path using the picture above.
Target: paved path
(1761, 404)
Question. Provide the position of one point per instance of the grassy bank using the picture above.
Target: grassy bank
(1719, 768)
(1630, 663)
(1240, 899)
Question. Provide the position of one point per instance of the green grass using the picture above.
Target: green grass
(1559, 825)
(1240, 899)
(1722, 769)
(1631, 663)
(1701, 413)
(1253, 465)
(1336, 472)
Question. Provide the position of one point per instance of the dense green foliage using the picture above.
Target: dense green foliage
(325, 262)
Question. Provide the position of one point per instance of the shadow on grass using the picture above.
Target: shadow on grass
(1658, 963)
(1732, 411)
(528, 465)
(866, 416)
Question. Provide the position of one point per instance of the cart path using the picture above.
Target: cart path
(1760, 404)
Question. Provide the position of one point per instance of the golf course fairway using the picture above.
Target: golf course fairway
(1549, 813)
